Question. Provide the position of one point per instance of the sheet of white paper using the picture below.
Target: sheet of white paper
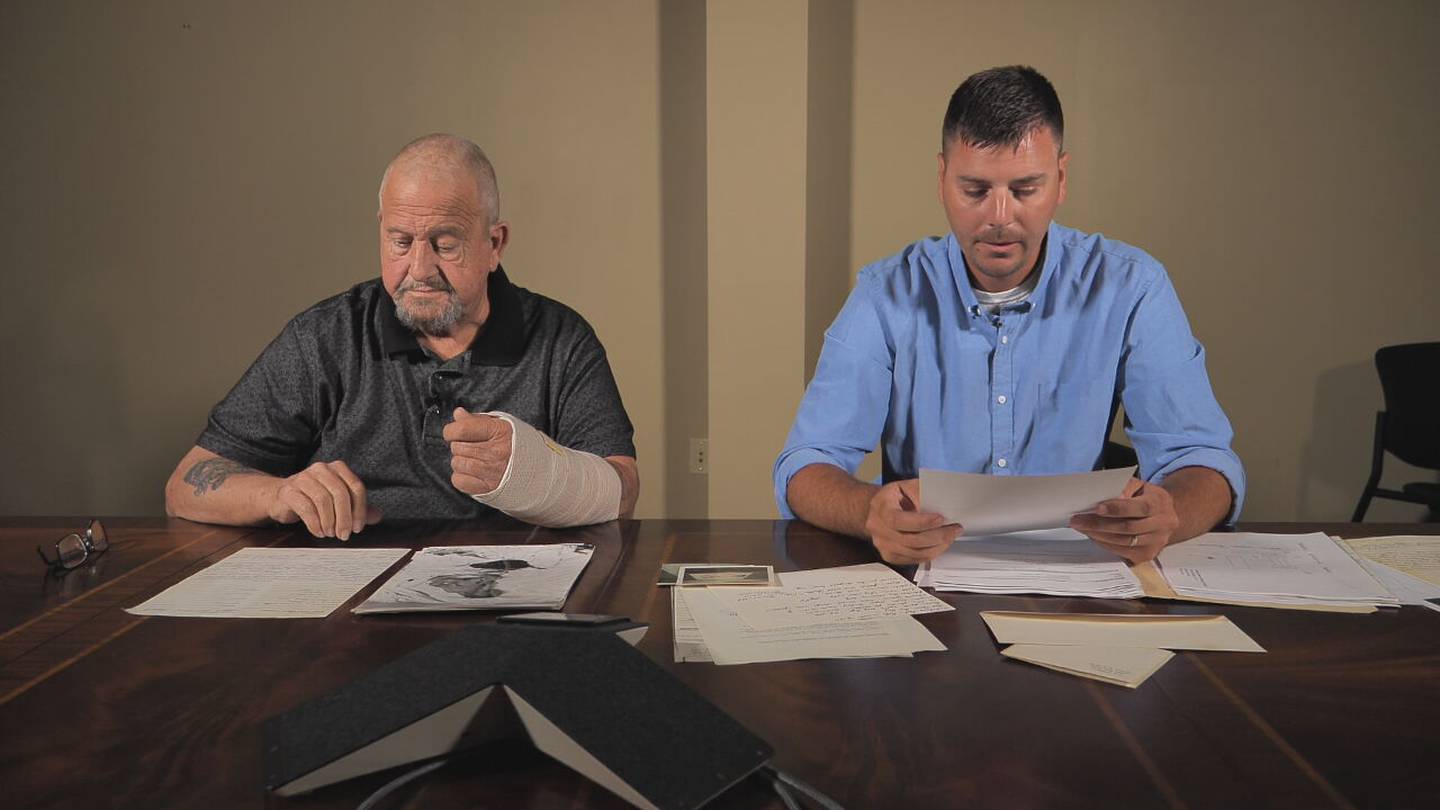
(732, 642)
(1123, 666)
(999, 504)
(1215, 633)
(689, 644)
(1059, 562)
(1407, 589)
(273, 583)
(482, 578)
(1279, 567)
(1417, 556)
(830, 596)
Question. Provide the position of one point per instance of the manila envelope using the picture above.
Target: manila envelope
(1122, 666)
(1215, 633)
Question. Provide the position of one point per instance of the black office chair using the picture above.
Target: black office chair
(1116, 455)
(1409, 427)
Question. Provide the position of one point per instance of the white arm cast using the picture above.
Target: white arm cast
(550, 485)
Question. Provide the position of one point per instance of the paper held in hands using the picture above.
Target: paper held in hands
(998, 504)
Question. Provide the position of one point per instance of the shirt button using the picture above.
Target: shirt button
(1000, 399)
(1004, 338)
(999, 462)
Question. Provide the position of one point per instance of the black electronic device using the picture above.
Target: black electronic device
(580, 694)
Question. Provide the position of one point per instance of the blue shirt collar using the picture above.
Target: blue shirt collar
(962, 279)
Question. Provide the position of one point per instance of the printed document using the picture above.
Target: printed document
(1058, 562)
(1278, 568)
(689, 644)
(483, 578)
(731, 641)
(1407, 589)
(830, 596)
(998, 504)
(274, 583)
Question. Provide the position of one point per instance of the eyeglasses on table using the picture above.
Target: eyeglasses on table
(72, 550)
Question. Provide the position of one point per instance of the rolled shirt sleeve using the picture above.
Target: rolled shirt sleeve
(1171, 414)
(844, 409)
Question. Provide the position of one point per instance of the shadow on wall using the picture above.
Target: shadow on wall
(1335, 460)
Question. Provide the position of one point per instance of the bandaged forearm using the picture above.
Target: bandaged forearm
(550, 485)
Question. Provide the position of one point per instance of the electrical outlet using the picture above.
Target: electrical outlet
(699, 456)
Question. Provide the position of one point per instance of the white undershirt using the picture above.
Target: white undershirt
(994, 302)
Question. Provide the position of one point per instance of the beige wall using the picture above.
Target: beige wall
(181, 178)
(756, 113)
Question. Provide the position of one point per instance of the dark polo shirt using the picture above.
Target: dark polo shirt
(346, 381)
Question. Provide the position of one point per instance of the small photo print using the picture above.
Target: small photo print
(716, 575)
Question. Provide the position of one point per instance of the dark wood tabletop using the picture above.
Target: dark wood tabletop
(99, 708)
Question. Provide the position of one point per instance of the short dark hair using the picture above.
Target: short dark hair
(1000, 106)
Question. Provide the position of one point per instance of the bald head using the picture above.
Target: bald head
(448, 155)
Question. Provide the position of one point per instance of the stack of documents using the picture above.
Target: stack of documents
(858, 611)
(483, 578)
(998, 553)
(1058, 562)
(1278, 569)
(1121, 649)
(1409, 565)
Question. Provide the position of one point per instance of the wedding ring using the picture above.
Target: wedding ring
(1134, 538)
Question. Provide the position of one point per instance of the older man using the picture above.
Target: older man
(1003, 348)
(440, 390)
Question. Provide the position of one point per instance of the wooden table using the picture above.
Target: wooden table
(101, 709)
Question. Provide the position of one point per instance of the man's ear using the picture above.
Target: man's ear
(499, 238)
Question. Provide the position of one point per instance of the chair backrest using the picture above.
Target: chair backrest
(1410, 378)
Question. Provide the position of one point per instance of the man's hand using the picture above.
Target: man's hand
(328, 497)
(1137, 525)
(479, 451)
(902, 534)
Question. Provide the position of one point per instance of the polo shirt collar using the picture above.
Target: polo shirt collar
(500, 341)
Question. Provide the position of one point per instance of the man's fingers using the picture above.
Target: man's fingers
(468, 484)
(1095, 523)
(488, 472)
(359, 510)
(339, 492)
(373, 515)
(1117, 539)
(936, 540)
(1124, 507)
(321, 499)
(909, 494)
(910, 521)
(300, 503)
(901, 558)
(484, 451)
(469, 427)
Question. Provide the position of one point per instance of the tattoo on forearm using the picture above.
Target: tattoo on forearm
(208, 475)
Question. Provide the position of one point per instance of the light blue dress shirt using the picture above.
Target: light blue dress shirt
(913, 365)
